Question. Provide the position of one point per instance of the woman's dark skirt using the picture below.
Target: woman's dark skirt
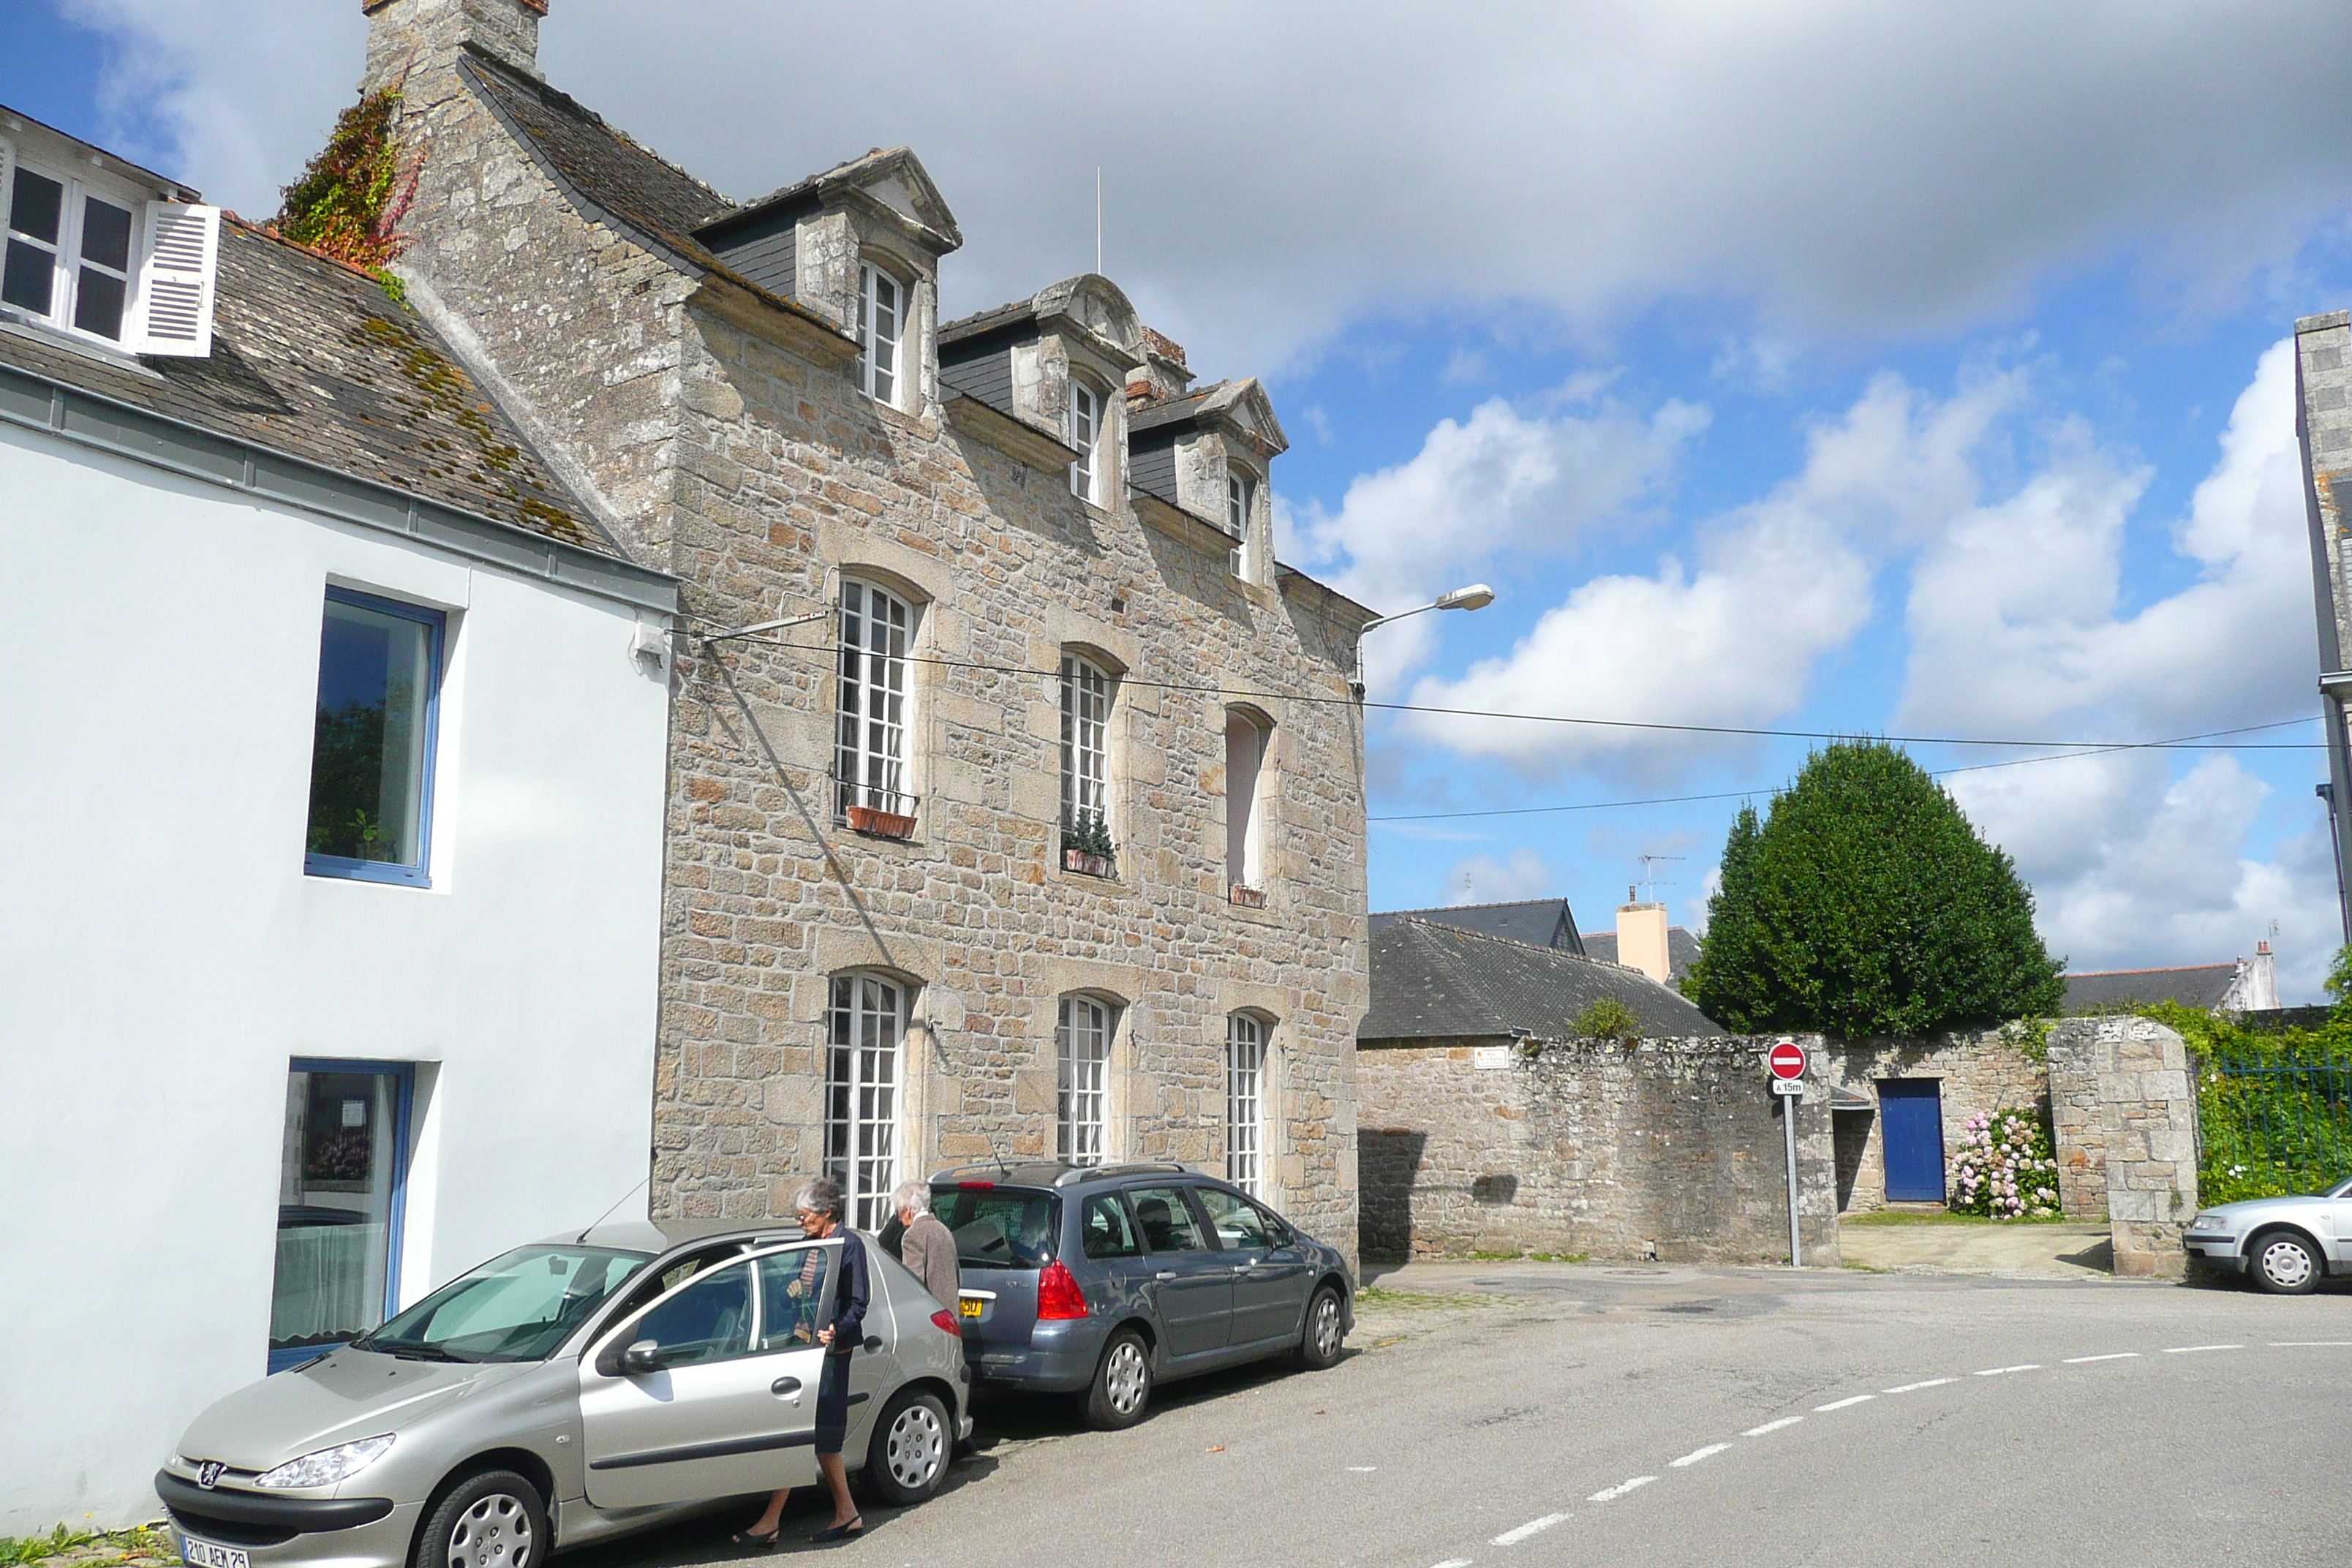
(832, 1405)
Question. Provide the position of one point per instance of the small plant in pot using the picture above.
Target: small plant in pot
(1087, 847)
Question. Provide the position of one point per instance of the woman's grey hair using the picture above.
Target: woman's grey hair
(912, 1197)
(821, 1196)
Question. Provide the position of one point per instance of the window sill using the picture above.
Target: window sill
(39, 330)
(334, 868)
(1261, 913)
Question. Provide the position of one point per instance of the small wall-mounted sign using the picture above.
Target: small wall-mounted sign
(1490, 1058)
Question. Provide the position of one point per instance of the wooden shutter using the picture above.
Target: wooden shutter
(177, 266)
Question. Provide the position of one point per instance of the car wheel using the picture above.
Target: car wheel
(1319, 1340)
(2284, 1264)
(1122, 1385)
(912, 1444)
(495, 1519)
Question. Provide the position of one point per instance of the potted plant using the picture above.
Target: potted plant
(873, 821)
(1087, 848)
(1247, 897)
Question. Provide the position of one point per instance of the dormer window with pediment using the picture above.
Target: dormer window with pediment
(881, 324)
(1033, 379)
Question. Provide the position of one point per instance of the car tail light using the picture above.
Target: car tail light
(1058, 1295)
(945, 1321)
(975, 1186)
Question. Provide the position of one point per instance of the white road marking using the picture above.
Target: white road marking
(1362, 1470)
(1841, 1404)
(2192, 1349)
(1914, 1388)
(1532, 1527)
(2111, 1356)
(1456, 1562)
(2306, 1344)
(1612, 1493)
(1772, 1426)
(1997, 1371)
(1696, 1454)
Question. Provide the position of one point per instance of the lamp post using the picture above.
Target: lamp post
(1476, 597)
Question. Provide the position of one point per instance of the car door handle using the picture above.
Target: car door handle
(1245, 1267)
(1165, 1275)
(783, 1385)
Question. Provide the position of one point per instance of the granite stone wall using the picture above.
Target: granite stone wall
(1976, 1072)
(1665, 1149)
(2146, 1132)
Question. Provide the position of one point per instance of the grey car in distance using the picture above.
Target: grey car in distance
(1103, 1280)
(566, 1393)
(2288, 1245)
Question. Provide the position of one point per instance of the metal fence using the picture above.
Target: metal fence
(2271, 1122)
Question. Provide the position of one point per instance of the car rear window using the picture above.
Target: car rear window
(1000, 1228)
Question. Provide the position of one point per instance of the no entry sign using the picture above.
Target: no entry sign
(1787, 1059)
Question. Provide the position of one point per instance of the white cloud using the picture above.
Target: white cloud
(1269, 172)
(1483, 879)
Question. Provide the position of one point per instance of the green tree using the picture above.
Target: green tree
(1865, 903)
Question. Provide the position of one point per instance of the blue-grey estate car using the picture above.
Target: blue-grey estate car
(1104, 1280)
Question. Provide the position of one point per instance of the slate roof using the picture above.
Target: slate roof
(1172, 410)
(2200, 985)
(1438, 982)
(1682, 950)
(310, 359)
(1546, 922)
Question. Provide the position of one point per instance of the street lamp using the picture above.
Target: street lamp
(1476, 597)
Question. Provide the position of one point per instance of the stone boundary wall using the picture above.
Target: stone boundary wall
(1978, 1072)
(1665, 1149)
(2143, 1145)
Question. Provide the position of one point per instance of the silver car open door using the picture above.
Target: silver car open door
(712, 1391)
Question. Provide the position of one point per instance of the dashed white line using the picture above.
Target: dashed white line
(2192, 1349)
(2311, 1345)
(1914, 1388)
(1532, 1527)
(1772, 1426)
(1610, 1494)
(1997, 1371)
(1456, 1562)
(1841, 1404)
(2111, 1356)
(1696, 1454)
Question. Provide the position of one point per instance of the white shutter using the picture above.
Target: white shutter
(176, 270)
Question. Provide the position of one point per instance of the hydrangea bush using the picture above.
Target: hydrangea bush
(2005, 1169)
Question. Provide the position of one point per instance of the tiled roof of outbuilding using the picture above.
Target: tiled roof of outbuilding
(1546, 922)
(310, 359)
(1438, 982)
(2201, 986)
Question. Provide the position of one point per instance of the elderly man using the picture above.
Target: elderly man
(928, 1247)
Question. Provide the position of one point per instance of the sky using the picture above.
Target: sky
(1828, 367)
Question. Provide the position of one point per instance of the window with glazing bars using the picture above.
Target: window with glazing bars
(1085, 722)
(1086, 430)
(863, 1029)
(1237, 511)
(870, 754)
(68, 252)
(1246, 1103)
(1083, 1051)
(881, 313)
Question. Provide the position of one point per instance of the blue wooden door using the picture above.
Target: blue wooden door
(1911, 1120)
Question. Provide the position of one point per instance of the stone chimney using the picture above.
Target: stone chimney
(2255, 989)
(1163, 372)
(405, 37)
(1641, 938)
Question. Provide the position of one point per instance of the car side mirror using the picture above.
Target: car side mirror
(641, 1357)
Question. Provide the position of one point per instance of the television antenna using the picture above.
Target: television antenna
(1650, 864)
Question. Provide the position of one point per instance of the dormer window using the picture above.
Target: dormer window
(1085, 434)
(881, 319)
(1239, 492)
(68, 254)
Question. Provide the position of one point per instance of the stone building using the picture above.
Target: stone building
(1030, 819)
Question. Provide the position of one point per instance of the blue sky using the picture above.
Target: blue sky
(1818, 366)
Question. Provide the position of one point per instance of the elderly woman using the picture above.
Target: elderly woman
(819, 1207)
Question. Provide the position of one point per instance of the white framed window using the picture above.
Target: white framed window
(70, 252)
(1086, 728)
(864, 1023)
(870, 752)
(1239, 493)
(1245, 1102)
(1081, 1080)
(1085, 435)
(1244, 808)
(881, 324)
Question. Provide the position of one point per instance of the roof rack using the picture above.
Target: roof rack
(1138, 1168)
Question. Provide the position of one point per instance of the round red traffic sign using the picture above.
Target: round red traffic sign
(1787, 1059)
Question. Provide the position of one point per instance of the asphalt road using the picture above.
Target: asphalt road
(1537, 1415)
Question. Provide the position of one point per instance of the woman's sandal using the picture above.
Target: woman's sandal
(748, 1538)
(833, 1532)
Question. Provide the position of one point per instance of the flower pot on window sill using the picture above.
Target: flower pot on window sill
(1247, 897)
(1087, 864)
(880, 824)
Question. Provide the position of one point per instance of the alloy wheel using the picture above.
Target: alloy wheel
(1125, 1376)
(493, 1533)
(1326, 1327)
(916, 1446)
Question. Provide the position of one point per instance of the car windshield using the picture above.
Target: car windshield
(518, 1307)
(998, 1228)
(2340, 1190)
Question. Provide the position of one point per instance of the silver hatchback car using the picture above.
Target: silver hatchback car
(566, 1393)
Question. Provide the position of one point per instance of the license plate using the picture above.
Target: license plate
(204, 1554)
(969, 1309)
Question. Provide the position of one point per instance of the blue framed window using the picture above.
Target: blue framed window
(372, 750)
(342, 1188)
